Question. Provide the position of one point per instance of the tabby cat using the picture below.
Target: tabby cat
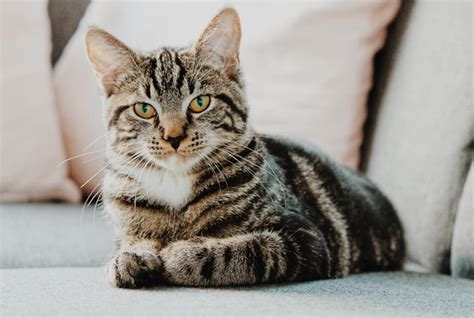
(199, 199)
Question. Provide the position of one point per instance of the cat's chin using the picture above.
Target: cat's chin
(176, 163)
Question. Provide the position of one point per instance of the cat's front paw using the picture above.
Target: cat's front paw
(130, 270)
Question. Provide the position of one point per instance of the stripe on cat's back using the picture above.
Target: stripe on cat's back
(327, 192)
(298, 183)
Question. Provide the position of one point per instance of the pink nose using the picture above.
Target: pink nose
(173, 131)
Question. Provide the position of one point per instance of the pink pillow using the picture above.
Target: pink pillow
(308, 68)
(30, 145)
(312, 79)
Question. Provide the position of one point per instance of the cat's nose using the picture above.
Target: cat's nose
(173, 131)
(175, 141)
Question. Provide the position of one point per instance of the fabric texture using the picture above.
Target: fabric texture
(308, 68)
(462, 248)
(48, 235)
(420, 149)
(84, 291)
(30, 138)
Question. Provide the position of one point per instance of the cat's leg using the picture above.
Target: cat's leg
(135, 265)
(259, 257)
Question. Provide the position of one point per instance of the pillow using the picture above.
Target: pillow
(419, 154)
(30, 143)
(308, 68)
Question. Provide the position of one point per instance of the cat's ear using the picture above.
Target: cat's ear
(220, 42)
(108, 56)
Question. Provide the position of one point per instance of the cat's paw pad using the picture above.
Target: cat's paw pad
(129, 270)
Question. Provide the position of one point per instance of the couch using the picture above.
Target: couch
(51, 254)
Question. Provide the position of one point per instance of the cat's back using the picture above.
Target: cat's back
(351, 204)
(300, 159)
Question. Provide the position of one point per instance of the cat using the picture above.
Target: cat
(199, 199)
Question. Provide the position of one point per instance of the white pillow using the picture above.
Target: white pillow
(30, 137)
(419, 153)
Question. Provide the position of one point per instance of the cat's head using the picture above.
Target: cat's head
(172, 108)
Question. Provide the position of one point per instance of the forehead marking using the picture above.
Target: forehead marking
(153, 76)
(181, 73)
(166, 69)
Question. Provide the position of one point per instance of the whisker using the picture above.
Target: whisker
(79, 156)
(99, 156)
(208, 162)
(253, 173)
(95, 175)
(272, 172)
(99, 199)
(137, 188)
(87, 200)
(95, 141)
(90, 199)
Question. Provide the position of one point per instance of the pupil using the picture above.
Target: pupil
(200, 102)
(144, 108)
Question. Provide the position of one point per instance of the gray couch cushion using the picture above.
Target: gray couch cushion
(83, 291)
(44, 235)
(419, 154)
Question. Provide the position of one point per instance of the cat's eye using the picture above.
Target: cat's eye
(144, 110)
(200, 103)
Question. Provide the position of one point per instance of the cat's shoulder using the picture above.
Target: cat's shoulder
(277, 144)
(285, 148)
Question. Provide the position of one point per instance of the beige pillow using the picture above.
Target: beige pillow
(312, 78)
(30, 138)
(308, 68)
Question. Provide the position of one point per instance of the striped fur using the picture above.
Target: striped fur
(229, 206)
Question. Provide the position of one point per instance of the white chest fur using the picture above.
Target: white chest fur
(164, 186)
(168, 187)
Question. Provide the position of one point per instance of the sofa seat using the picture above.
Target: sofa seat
(51, 257)
(84, 291)
(54, 235)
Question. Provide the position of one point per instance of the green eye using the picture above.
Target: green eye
(143, 110)
(200, 103)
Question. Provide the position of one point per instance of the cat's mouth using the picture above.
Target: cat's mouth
(176, 161)
(180, 159)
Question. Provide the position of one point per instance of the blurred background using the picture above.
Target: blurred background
(383, 86)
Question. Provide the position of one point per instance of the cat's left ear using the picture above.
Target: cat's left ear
(108, 56)
(220, 42)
